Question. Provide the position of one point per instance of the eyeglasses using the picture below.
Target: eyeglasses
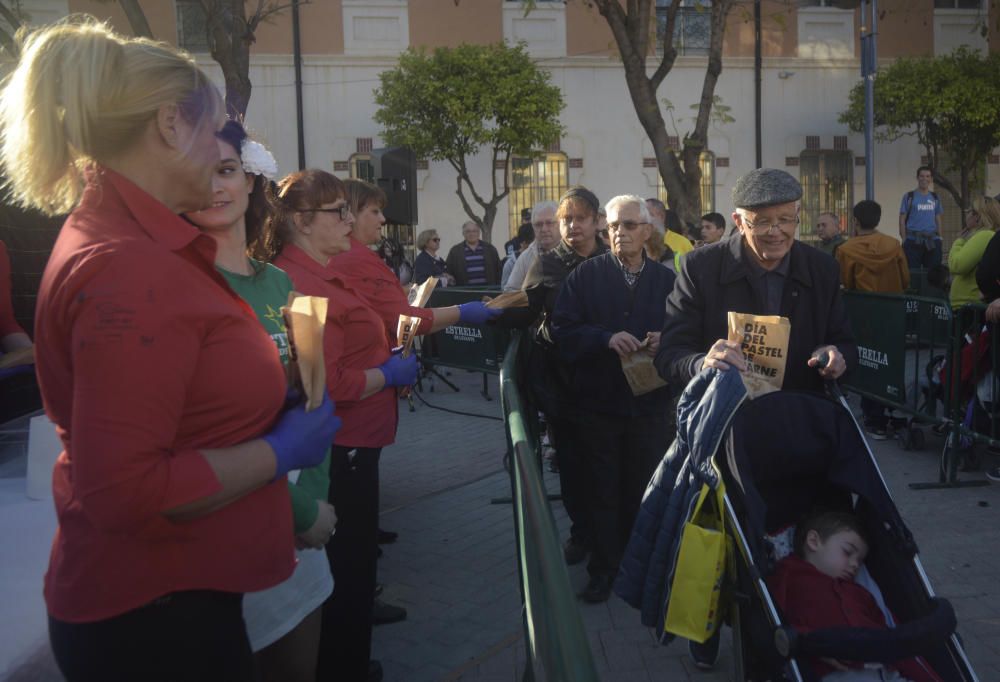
(343, 211)
(763, 227)
(629, 225)
(435, 239)
(545, 223)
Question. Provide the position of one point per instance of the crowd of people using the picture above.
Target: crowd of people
(196, 493)
(207, 520)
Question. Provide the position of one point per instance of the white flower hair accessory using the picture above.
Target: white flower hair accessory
(257, 160)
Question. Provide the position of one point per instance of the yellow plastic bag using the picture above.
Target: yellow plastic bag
(693, 611)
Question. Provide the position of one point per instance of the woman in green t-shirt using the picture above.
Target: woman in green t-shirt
(282, 622)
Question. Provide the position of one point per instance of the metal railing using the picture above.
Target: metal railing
(556, 641)
(920, 357)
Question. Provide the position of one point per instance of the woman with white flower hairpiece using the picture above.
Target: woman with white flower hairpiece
(282, 622)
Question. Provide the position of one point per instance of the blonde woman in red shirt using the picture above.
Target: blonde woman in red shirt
(166, 392)
(312, 223)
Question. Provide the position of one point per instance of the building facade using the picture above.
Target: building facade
(811, 60)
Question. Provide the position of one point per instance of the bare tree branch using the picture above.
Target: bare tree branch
(136, 18)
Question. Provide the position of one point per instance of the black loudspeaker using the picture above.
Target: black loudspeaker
(396, 173)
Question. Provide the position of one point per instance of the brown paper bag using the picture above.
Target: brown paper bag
(511, 299)
(305, 318)
(639, 371)
(764, 340)
(406, 328)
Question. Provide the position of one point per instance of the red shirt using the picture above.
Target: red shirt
(145, 356)
(8, 325)
(354, 340)
(812, 600)
(361, 269)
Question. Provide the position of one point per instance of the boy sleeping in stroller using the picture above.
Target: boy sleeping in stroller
(815, 588)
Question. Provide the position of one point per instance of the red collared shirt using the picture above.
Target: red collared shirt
(355, 339)
(8, 325)
(362, 270)
(145, 356)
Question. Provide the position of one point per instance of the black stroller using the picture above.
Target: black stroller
(786, 454)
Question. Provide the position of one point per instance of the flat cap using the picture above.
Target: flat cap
(765, 187)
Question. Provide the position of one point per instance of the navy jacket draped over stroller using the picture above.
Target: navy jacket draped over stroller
(703, 414)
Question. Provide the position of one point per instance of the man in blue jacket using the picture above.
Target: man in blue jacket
(610, 307)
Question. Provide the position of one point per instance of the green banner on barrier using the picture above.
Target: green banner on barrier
(879, 325)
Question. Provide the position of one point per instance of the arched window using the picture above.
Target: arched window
(707, 163)
(827, 178)
(542, 178)
(361, 167)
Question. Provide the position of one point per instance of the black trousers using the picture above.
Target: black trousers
(194, 635)
(620, 455)
(572, 479)
(346, 634)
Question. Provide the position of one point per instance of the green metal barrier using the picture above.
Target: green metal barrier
(557, 644)
(910, 359)
(479, 349)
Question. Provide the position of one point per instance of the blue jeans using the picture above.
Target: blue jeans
(922, 253)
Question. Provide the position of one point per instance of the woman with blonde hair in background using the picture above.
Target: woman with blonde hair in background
(428, 263)
(282, 622)
(165, 391)
(981, 223)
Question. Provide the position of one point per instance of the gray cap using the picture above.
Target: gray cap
(765, 187)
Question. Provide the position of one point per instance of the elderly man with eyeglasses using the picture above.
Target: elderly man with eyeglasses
(764, 272)
(543, 221)
(609, 307)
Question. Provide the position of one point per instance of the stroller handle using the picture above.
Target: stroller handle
(914, 638)
(831, 384)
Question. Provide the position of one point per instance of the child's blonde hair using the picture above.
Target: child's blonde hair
(83, 93)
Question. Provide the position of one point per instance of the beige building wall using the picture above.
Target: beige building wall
(905, 28)
(440, 23)
(159, 13)
(587, 32)
(321, 23)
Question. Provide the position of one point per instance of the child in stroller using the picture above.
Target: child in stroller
(815, 588)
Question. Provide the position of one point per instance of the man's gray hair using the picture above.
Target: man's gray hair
(616, 204)
(541, 206)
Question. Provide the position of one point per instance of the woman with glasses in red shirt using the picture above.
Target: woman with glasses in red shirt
(165, 391)
(311, 224)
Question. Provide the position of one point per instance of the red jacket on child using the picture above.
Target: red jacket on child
(811, 600)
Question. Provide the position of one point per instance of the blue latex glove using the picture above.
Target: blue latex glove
(476, 313)
(301, 439)
(399, 371)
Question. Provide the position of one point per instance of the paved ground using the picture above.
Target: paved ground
(454, 567)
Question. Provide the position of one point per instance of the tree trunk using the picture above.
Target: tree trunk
(229, 40)
(630, 29)
(136, 18)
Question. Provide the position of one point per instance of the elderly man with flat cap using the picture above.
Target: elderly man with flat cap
(766, 271)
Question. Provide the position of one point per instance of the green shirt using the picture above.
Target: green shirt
(266, 291)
